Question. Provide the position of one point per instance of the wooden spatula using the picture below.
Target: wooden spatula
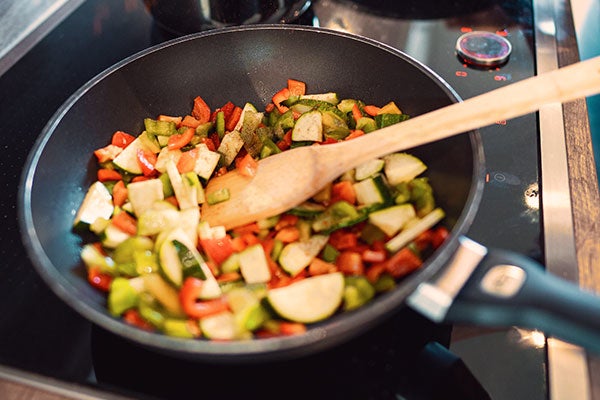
(287, 179)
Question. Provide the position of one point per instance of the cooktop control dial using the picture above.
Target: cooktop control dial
(483, 49)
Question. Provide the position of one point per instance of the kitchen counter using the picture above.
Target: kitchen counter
(582, 177)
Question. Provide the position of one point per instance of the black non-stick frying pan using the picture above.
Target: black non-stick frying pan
(250, 64)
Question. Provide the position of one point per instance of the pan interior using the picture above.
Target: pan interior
(238, 65)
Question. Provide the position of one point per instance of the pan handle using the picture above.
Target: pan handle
(510, 289)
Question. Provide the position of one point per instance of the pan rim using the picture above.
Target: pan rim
(317, 337)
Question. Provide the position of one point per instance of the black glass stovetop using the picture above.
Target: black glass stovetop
(405, 358)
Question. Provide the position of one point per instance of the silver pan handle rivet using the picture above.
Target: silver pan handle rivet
(503, 280)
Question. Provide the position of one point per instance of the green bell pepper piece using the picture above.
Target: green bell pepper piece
(162, 128)
(421, 196)
(121, 296)
(357, 292)
(384, 120)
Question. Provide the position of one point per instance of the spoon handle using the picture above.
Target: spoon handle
(565, 84)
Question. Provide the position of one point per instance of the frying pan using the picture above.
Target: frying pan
(457, 283)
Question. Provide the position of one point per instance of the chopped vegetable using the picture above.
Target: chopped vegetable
(164, 269)
(189, 295)
(201, 111)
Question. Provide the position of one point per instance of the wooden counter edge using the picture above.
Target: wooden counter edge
(583, 177)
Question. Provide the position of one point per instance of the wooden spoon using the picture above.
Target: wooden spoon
(287, 179)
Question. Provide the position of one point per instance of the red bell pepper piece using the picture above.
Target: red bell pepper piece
(329, 140)
(374, 256)
(291, 328)
(190, 122)
(233, 119)
(374, 272)
(133, 317)
(201, 110)
(188, 297)
(229, 277)
(402, 263)
(286, 142)
(119, 193)
(296, 88)
(288, 234)
(356, 113)
(431, 238)
(371, 110)
(227, 110)
(217, 250)
(175, 120)
(238, 244)
(280, 96)
(209, 143)
(98, 279)
(187, 161)
(107, 153)
(438, 236)
(105, 174)
(281, 328)
(147, 161)
(320, 267)
(350, 263)
(179, 140)
(122, 139)
(423, 240)
(281, 279)
(216, 140)
(354, 134)
(125, 222)
(246, 165)
(251, 228)
(172, 200)
(343, 190)
(286, 220)
(250, 239)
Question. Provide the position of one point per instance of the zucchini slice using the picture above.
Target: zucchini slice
(368, 169)
(329, 97)
(248, 107)
(220, 326)
(309, 300)
(230, 146)
(372, 191)
(170, 264)
(414, 230)
(402, 167)
(164, 293)
(97, 203)
(127, 159)
(174, 271)
(206, 162)
(156, 220)
(390, 220)
(143, 194)
(253, 264)
(309, 127)
(296, 256)
(186, 192)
